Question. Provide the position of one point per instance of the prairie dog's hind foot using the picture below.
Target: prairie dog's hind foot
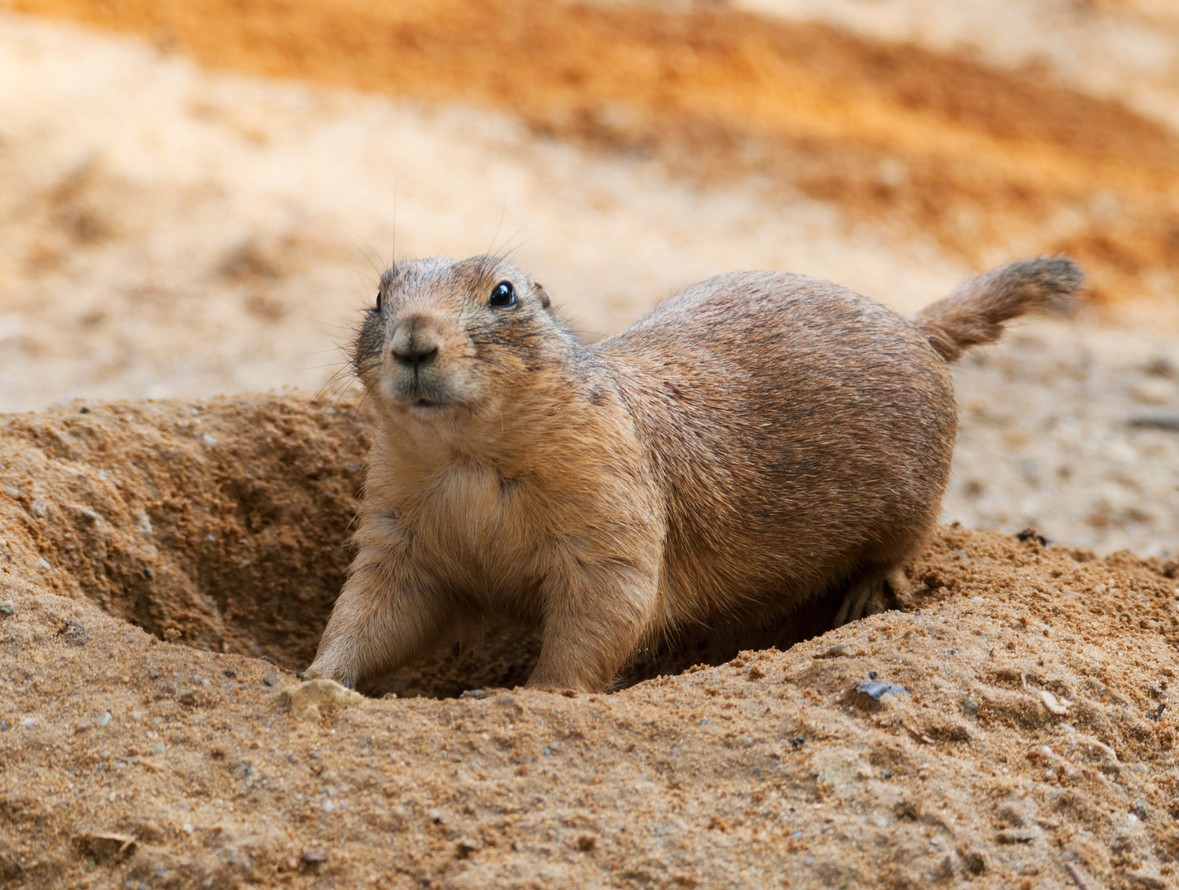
(871, 594)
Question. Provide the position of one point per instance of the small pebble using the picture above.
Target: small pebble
(26, 722)
(314, 856)
(1059, 707)
(876, 689)
(7, 608)
(157, 749)
(104, 718)
(1154, 391)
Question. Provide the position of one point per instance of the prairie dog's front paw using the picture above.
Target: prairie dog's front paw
(321, 671)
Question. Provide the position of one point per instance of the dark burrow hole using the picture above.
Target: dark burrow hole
(225, 527)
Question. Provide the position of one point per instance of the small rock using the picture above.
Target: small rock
(1059, 707)
(1162, 366)
(75, 634)
(314, 856)
(244, 770)
(104, 718)
(108, 847)
(6, 607)
(158, 749)
(26, 722)
(1168, 423)
(318, 700)
(1017, 835)
(877, 689)
(1030, 534)
(1154, 391)
(587, 842)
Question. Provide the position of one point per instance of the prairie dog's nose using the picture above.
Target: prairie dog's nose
(415, 342)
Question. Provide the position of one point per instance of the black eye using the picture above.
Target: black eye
(378, 301)
(503, 296)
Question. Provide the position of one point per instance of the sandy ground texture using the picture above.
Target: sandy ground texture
(197, 198)
(1014, 726)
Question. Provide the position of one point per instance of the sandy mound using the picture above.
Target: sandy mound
(1016, 723)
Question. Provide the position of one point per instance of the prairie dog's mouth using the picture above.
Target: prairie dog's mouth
(424, 404)
(421, 394)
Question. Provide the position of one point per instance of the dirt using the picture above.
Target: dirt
(156, 553)
(198, 198)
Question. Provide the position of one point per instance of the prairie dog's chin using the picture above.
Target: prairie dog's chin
(426, 409)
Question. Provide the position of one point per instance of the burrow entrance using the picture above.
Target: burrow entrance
(224, 525)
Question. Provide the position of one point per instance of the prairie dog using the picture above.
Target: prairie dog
(756, 442)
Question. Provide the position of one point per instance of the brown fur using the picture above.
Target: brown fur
(756, 442)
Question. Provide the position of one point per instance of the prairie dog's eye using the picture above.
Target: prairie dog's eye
(378, 301)
(503, 296)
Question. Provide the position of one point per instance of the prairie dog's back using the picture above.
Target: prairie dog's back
(801, 432)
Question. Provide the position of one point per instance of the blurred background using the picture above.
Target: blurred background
(198, 196)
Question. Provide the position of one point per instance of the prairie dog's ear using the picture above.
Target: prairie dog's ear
(541, 294)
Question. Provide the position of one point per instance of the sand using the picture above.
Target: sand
(198, 199)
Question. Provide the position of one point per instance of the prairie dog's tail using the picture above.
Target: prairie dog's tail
(975, 311)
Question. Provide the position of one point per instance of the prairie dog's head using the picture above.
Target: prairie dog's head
(447, 336)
